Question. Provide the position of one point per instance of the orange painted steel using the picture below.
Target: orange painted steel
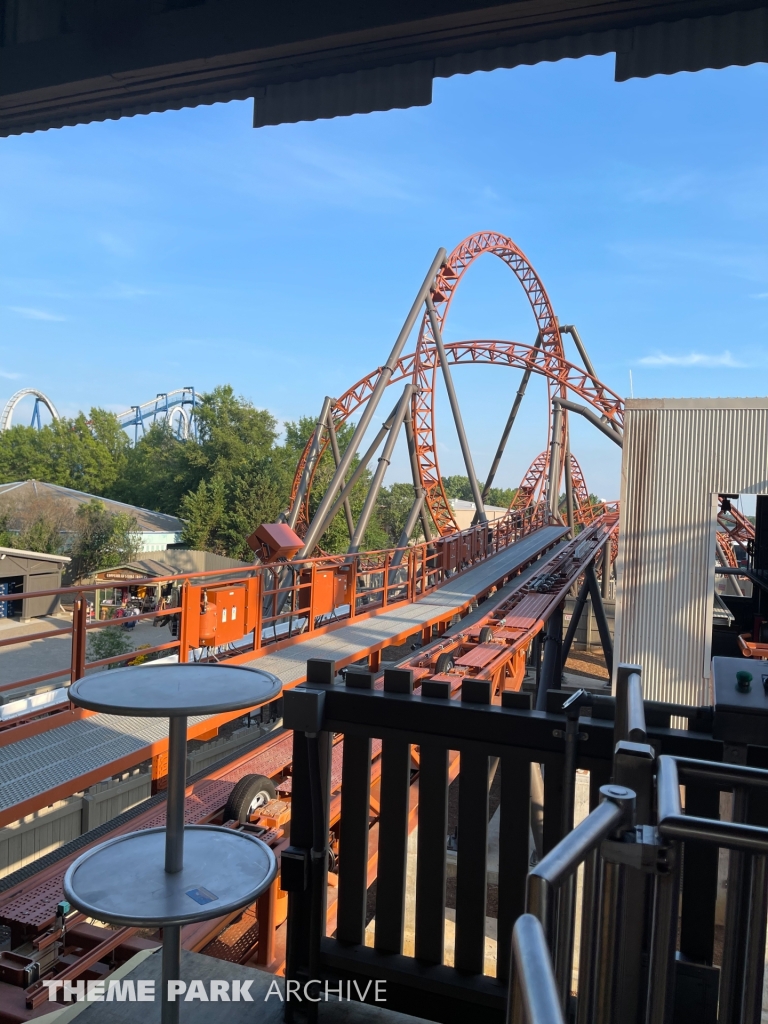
(375, 586)
(559, 372)
(423, 402)
(508, 626)
(420, 367)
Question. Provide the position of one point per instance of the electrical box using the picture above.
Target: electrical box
(329, 590)
(273, 541)
(740, 698)
(222, 617)
(450, 553)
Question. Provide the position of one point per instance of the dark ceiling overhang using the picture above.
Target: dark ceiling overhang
(65, 62)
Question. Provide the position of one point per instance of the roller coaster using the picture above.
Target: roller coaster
(483, 605)
(176, 408)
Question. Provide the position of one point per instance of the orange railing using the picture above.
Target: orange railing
(290, 599)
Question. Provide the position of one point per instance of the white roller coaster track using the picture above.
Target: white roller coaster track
(6, 419)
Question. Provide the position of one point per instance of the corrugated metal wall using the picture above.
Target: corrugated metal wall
(679, 454)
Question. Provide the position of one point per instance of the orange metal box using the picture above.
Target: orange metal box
(329, 590)
(224, 620)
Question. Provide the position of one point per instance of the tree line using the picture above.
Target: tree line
(234, 476)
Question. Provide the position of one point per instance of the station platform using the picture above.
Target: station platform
(37, 770)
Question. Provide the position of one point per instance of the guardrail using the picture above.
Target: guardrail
(637, 906)
(288, 599)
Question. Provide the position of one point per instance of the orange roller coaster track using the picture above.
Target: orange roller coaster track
(546, 358)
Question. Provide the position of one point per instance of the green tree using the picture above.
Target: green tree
(394, 506)
(204, 511)
(458, 487)
(43, 535)
(85, 453)
(108, 642)
(157, 471)
(502, 497)
(23, 456)
(336, 538)
(6, 537)
(102, 539)
(233, 435)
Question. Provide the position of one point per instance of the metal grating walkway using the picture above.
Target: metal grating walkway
(349, 642)
(31, 768)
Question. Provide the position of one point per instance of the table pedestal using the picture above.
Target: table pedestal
(172, 876)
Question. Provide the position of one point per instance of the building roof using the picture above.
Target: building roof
(459, 505)
(175, 562)
(41, 555)
(148, 521)
(74, 63)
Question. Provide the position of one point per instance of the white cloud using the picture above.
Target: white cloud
(9, 376)
(35, 314)
(701, 359)
(760, 295)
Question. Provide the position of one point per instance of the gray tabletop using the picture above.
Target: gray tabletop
(123, 881)
(164, 691)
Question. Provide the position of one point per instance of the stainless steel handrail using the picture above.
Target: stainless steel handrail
(535, 998)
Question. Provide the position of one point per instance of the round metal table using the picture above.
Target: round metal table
(207, 871)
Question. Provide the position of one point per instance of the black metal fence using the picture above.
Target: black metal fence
(561, 742)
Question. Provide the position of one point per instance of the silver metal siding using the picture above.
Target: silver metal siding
(678, 455)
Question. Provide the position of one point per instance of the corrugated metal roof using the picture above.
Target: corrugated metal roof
(41, 555)
(90, 62)
(717, 41)
(148, 521)
(361, 92)
(678, 455)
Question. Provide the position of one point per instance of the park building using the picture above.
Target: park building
(26, 499)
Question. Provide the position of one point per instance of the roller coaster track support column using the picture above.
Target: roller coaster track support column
(309, 465)
(570, 329)
(605, 582)
(337, 459)
(600, 618)
(314, 532)
(551, 668)
(554, 461)
(508, 427)
(417, 488)
(468, 463)
(378, 477)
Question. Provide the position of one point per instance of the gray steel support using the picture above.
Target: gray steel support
(359, 470)
(568, 482)
(170, 971)
(578, 608)
(177, 784)
(508, 427)
(378, 477)
(410, 523)
(605, 582)
(417, 488)
(337, 459)
(661, 969)
(570, 329)
(306, 475)
(595, 420)
(314, 532)
(469, 465)
(600, 617)
(553, 486)
(551, 668)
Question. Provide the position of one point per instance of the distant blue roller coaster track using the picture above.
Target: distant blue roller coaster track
(176, 408)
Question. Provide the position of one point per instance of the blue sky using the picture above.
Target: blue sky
(184, 248)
